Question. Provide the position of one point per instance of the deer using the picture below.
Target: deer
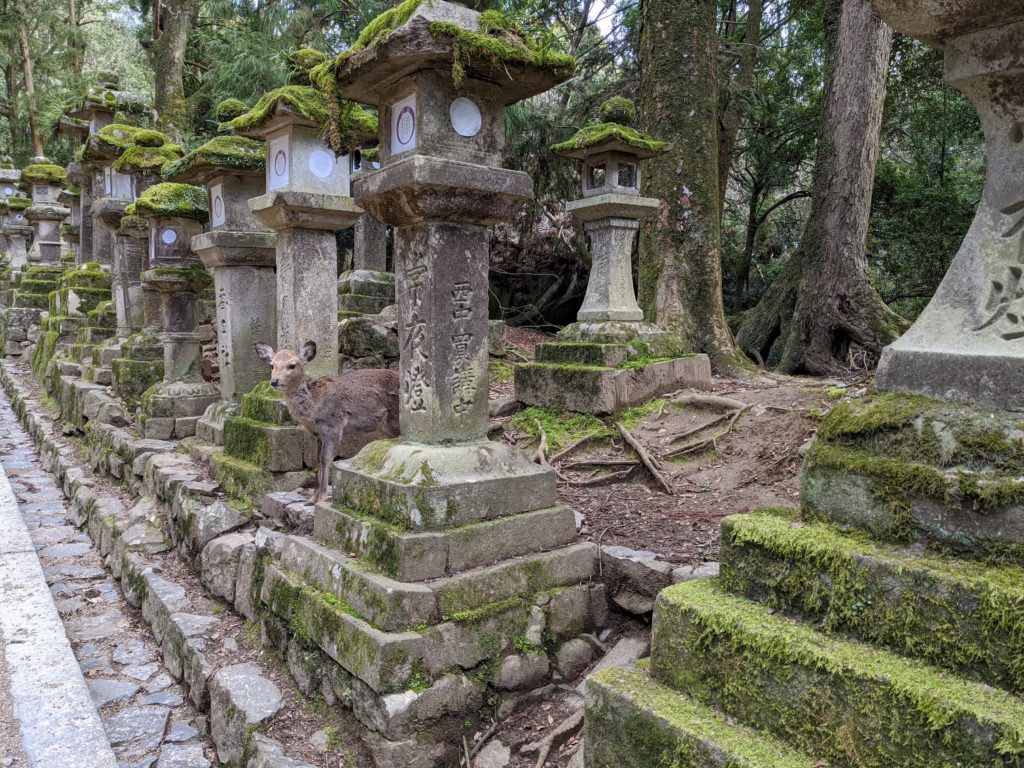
(361, 401)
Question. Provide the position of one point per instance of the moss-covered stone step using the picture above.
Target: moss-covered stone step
(95, 334)
(410, 556)
(28, 300)
(386, 603)
(634, 722)
(249, 483)
(131, 378)
(77, 301)
(582, 353)
(954, 613)
(266, 404)
(361, 304)
(275, 448)
(36, 285)
(852, 704)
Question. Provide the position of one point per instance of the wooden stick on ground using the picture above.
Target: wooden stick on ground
(602, 463)
(566, 451)
(652, 464)
(540, 456)
(604, 478)
(562, 731)
(688, 433)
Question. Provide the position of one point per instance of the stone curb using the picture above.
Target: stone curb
(59, 723)
(164, 604)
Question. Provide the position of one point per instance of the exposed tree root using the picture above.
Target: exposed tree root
(649, 461)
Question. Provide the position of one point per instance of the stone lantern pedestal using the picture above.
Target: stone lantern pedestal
(175, 213)
(45, 213)
(368, 287)
(466, 532)
(610, 358)
(71, 230)
(241, 253)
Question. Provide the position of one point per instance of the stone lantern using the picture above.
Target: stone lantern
(9, 178)
(46, 213)
(441, 76)
(966, 344)
(176, 213)
(16, 229)
(71, 230)
(241, 252)
(103, 104)
(610, 358)
(368, 287)
(306, 202)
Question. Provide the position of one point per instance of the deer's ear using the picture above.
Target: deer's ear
(264, 351)
(308, 351)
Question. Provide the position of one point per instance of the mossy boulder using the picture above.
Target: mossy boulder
(618, 109)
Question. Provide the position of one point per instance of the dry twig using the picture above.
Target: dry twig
(602, 463)
(604, 478)
(562, 731)
(566, 451)
(540, 456)
(652, 464)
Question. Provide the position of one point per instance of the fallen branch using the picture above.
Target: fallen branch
(562, 731)
(715, 421)
(604, 478)
(711, 441)
(715, 402)
(602, 463)
(540, 456)
(566, 451)
(484, 739)
(652, 464)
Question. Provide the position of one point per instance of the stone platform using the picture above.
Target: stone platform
(603, 378)
(881, 626)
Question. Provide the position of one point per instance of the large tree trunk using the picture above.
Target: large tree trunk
(13, 122)
(76, 45)
(822, 302)
(733, 111)
(31, 111)
(680, 270)
(172, 23)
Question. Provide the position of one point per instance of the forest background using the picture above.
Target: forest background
(810, 147)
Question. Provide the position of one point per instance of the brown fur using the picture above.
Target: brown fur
(358, 402)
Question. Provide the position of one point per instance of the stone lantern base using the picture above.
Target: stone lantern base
(601, 368)
(365, 292)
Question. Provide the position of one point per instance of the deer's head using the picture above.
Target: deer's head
(287, 368)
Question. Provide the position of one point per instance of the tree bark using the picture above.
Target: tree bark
(173, 21)
(680, 270)
(31, 111)
(12, 116)
(76, 45)
(732, 113)
(822, 302)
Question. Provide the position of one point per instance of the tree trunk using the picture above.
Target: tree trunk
(822, 302)
(732, 114)
(172, 23)
(76, 46)
(30, 89)
(12, 115)
(680, 269)
(743, 279)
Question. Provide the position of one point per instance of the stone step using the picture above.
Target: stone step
(264, 403)
(396, 661)
(851, 704)
(386, 603)
(582, 353)
(248, 483)
(412, 556)
(369, 305)
(634, 722)
(276, 448)
(958, 614)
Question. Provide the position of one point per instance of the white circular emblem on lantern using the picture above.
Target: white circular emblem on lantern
(321, 163)
(169, 237)
(9, 191)
(465, 117)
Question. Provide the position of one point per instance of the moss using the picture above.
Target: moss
(486, 611)
(874, 414)
(170, 199)
(618, 109)
(117, 137)
(562, 428)
(300, 62)
(140, 158)
(308, 102)
(496, 44)
(380, 28)
(223, 152)
(18, 203)
(591, 136)
(955, 613)
(791, 679)
(132, 222)
(229, 109)
(500, 371)
(43, 172)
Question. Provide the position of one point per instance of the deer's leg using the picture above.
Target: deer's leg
(326, 457)
(319, 468)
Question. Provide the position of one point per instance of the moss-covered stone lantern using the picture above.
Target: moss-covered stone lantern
(46, 213)
(9, 178)
(610, 358)
(176, 213)
(306, 202)
(16, 228)
(241, 252)
(71, 230)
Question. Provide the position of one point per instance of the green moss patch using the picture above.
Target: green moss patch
(618, 109)
(43, 172)
(592, 136)
(18, 203)
(306, 101)
(229, 109)
(221, 153)
(845, 702)
(140, 158)
(170, 199)
(563, 428)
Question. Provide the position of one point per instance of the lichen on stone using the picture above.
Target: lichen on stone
(132, 222)
(43, 172)
(170, 199)
(222, 152)
(305, 100)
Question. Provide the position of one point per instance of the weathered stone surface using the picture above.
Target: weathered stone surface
(105, 691)
(494, 755)
(264, 752)
(521, 672)
(574, 657)
(137, 730)
(182, 756)
(240, 698)
(219, 561)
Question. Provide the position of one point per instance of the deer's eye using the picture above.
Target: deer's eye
(290, 367)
